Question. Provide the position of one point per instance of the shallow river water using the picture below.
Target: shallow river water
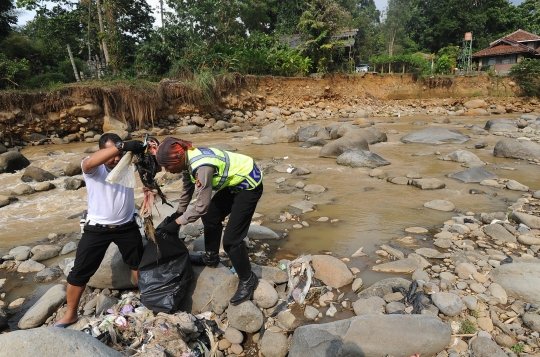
(370, 211)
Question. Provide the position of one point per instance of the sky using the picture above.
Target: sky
(25, 15)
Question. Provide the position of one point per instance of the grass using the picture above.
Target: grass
(518, 348)
(467, 327)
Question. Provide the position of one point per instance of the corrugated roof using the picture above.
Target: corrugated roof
(522, 36)
(504, 50)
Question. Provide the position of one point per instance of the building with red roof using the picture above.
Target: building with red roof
(505, 52)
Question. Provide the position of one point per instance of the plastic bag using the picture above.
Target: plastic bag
(124, 172)
(164, 272)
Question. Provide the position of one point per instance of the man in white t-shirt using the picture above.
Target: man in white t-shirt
(111, 210)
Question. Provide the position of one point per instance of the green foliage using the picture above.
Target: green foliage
(518, 348)
(12, 72)
(415, 63)
(45, 80)
(467, 327)
(319, 25)
(527, 74)
(66, 68)
(444, 65)
(7, 18)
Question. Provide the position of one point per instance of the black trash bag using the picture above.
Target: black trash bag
(164, 272)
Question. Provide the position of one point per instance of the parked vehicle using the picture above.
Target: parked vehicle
(362, 68)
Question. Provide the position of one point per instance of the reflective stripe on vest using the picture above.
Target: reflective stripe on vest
(233, 170)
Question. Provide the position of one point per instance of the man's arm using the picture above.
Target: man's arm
(91, 163)
(204, 196)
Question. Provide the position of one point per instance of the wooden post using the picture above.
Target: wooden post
(73, 64)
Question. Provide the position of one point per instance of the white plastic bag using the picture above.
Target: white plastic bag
(124, 173)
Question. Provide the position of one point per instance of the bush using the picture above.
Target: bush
(66, 68)
(527, 74)
(45, 80)
(12, 72)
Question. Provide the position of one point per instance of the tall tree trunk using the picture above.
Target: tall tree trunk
(73, 64)
(102, 30)
(162, 23)
(89, 21)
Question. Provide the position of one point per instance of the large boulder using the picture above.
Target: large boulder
(310, 131)
(278, 132)
(86, 110)
(110, 123)
(350, 141)
(383, 287)
(475, 103)
(112, 273)
(12, 161)
(44, 307)
(498, 233)
(474, 174)
(517, 149)
(500, 121)
(361, 158)
(463, 156)
(45, 251)
(331, 271)
(527, 219)
(261, 232)
(53, 342)
(201, 288)
(362, 336)
(520, 280)
(33, 173)
(245, 317)
(435, 136)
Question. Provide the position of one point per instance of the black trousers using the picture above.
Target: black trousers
(94, 244)
(241, 206)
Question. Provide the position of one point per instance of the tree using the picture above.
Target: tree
(398, 14)
(527, 74)
(319, 27)
(7, 18)
(529, 11)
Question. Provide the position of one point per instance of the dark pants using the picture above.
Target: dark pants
(94, 244)
(241, 206)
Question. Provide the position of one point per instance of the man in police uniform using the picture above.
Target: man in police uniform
(238, 182)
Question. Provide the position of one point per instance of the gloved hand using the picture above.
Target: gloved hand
(172, 227)
(135, 146)
(175, 215)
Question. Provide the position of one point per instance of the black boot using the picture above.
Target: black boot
(209, 259)
(245, 290)
(248, 281)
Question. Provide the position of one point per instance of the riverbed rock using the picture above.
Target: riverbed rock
(112, 273)
(435, 136)
(498, 233)
(448, 303)
(68, 248)
(485, 347)
(44, 307)
(269, 273)
(304, 206)
(22, 189)
(528, 239)
(362, 336)
(314, 188)
(278, 132)
(188, 129)
(475, 103)
(527, 219)
(532, 321)
(45, 251)
(274, 344)
(428, 184)
(44, 342)
(30, 266)
(33, 173)
(474, 174)
(265, 295)
(12, 161)
(440, 205)
(331, 271)
(361, 158)
(520, 280)
(347, 142)
(21, 252)
(263, 140)
(306, 132)
(245, 317)
(430, 253)
(85, 110)
(383, 287)
(44, 186)
(498, 293)
(223, 292)
(464, 156)
(313, 142)
(403, 266)
(48, 274)
(517, 149)
(371, 305)
(476, 112)
(261, 232)
(201, 287)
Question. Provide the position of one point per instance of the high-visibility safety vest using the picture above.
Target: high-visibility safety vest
(232, 170)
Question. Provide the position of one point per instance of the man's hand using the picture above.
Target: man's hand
(135, 146)
(172, 227)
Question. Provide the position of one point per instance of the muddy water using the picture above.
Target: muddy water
(370, 211)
